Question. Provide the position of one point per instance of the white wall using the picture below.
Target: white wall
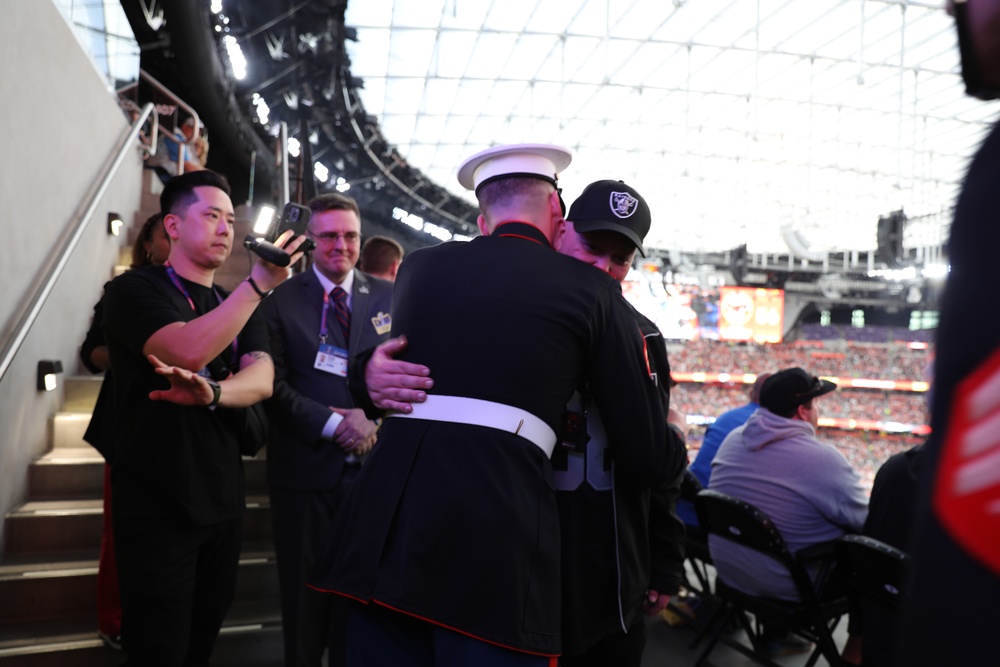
(59, 125)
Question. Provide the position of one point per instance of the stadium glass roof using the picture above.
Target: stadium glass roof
(734, 118)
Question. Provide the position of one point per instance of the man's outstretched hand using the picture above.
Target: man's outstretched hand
(186, 388)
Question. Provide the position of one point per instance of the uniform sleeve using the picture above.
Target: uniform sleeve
(357, 385)
(666, 534)
(626, 394)
(666, 529)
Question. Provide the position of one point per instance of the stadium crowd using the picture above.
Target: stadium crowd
(866, 450)
(879, 361)
(709, 400)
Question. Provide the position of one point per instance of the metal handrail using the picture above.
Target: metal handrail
(182, 148)
(46, 285)
(282, 150)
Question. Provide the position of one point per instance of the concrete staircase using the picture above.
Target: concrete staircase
(48, 571)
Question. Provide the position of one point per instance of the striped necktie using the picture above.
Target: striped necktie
(342, 311)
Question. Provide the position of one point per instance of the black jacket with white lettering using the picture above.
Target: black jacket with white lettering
(620, 537)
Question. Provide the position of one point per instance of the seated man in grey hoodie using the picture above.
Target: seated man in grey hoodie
(776, 463)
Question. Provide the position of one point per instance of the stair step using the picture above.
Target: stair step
(68, 429)
(67, 472)
(78, 472)
(81, 393)
(36, 588)
(50, 526)
(251, 637)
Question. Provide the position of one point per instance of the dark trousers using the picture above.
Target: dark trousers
(379, 637)
(109, 607)
(177, 583)
(620, 649)
(312, 622)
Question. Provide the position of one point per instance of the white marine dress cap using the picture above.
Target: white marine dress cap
(543, 161)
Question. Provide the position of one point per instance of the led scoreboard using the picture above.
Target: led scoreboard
(751, 314)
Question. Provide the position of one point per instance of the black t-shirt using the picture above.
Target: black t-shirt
(171, 460)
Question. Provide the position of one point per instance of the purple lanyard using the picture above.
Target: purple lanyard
(322, 320)
(175, 279)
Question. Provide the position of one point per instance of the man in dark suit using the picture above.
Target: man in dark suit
(316, 320)
(451, 529)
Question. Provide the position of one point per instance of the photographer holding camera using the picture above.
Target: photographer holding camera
(177, 478)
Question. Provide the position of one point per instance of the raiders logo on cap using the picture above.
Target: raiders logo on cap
(623, 204)
(611, 206)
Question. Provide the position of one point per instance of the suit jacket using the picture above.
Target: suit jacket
(457, 524)
(297, 458)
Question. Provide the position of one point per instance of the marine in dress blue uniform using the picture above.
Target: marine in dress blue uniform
(453, 526)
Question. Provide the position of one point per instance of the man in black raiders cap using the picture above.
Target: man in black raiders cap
(622, 543)
(451, 534)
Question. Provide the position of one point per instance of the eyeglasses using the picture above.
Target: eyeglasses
(350, 238)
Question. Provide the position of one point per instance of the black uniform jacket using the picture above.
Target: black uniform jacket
(457, 524)
(620, 537)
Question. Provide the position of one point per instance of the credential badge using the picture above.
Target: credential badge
(382, 323)
(623, 204)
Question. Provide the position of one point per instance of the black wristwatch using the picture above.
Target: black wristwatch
(216, 393)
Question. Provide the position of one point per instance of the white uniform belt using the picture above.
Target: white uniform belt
(461, 410)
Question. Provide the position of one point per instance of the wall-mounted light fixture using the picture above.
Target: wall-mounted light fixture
(47, 372)
(115, 224)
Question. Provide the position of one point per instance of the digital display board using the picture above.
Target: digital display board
(751, 314)
(692, 311)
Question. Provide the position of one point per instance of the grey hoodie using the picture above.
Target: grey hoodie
(805, 486)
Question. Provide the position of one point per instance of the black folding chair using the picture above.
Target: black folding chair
(877, 578)
(695, 541)
(698, 557)
(810, 618)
